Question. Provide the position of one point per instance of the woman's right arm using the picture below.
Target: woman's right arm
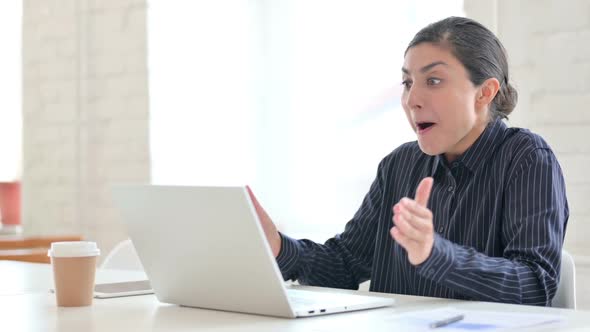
(343, 261)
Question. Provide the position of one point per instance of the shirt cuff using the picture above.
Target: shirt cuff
(288, 257)
(439, 264)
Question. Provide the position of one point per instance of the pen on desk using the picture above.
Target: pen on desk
(446, 321)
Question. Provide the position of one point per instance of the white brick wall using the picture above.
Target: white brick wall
(85, 113)
(549, 55)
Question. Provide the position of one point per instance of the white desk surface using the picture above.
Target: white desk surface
(28, 306)
(22, 278)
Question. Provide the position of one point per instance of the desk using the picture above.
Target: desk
(30, 249)
(35, 310)
(22, 277)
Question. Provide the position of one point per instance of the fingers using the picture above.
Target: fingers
(259, 209)
(413, 228)
(414, 234)
(413, 207)
(406, 227)
(423, 191)
(270, 230)
(417, 216)
(399, 237)
(252, 197)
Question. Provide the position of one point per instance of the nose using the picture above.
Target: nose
(413, 98)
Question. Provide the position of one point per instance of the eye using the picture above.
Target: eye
(407, 84)
(433, 81)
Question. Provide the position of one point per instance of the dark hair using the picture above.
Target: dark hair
(480, 52)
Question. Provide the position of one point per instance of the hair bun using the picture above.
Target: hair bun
(505, 101)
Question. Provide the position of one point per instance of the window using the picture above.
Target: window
(299, 99)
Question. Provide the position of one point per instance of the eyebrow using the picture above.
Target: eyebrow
(427, 67)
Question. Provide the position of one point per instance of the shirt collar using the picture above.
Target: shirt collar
(479, 151)
(435, 163)
(483, 147)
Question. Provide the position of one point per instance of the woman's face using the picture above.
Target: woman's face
(441, 103)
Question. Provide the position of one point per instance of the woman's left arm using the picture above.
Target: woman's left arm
(535, 218)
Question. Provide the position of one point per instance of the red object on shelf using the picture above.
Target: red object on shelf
(10, 203)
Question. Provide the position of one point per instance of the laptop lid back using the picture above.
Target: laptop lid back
(203, 247)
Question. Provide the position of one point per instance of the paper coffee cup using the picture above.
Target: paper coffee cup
(74, 267)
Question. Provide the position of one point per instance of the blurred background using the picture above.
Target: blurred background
(298, 98)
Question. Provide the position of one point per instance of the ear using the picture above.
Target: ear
(487, 91)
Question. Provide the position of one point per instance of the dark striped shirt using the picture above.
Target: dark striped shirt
(500, 214)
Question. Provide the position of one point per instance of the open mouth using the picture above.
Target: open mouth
(422, 126)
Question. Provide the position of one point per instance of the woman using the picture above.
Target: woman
(472, 210)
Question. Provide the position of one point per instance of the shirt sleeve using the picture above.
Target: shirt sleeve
(535, 217)
(343, 261)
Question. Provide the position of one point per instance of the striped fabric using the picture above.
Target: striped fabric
(500, 214)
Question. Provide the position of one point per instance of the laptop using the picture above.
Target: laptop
(204, 247)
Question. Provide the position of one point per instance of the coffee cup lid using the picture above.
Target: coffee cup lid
(73, 249)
